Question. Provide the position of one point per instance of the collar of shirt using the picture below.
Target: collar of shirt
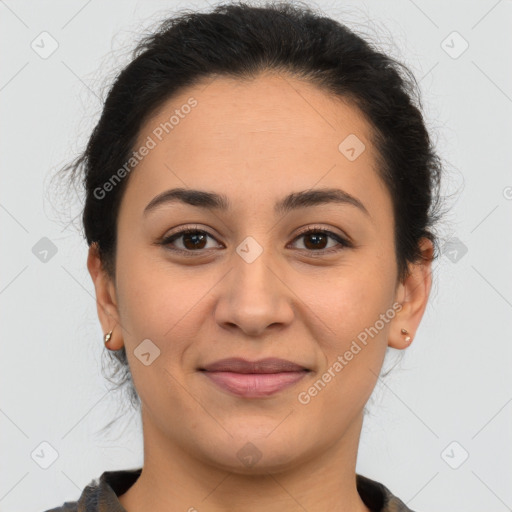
(102, 496)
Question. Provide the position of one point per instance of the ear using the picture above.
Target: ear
(106, 301)
(413, 294)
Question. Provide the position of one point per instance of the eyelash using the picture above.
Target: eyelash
(341, 241)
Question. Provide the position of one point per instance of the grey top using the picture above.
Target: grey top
(102, 496)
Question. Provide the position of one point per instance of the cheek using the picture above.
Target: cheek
(352, 316)
(159, 300)
(349, 299)
(145, 294)
(352, 337)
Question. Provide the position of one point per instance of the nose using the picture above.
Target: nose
(254, 297)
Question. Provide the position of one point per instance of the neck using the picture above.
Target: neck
(172, 480)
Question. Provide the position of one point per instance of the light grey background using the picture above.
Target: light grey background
(454, 383)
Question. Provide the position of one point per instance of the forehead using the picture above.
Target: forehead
(278, 111)
(269, 134)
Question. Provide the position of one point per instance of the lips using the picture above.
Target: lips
(240, 365)
(254, 379)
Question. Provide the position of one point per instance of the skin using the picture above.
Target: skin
(255, 141)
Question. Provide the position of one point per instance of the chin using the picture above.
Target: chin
(256, 454)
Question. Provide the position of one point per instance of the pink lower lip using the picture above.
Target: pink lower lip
(254, 385)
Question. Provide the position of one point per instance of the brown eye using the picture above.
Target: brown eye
(316, 240)
(194, 240)
(191, 240)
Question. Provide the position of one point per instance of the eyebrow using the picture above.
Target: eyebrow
(220, 202)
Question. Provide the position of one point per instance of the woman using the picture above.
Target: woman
(261, 192)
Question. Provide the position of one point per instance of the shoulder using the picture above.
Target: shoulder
(69, 506)
(101, 494)
(378, 497)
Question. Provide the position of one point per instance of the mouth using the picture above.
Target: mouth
(254, 379)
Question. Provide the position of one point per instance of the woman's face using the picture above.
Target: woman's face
(248, 283)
